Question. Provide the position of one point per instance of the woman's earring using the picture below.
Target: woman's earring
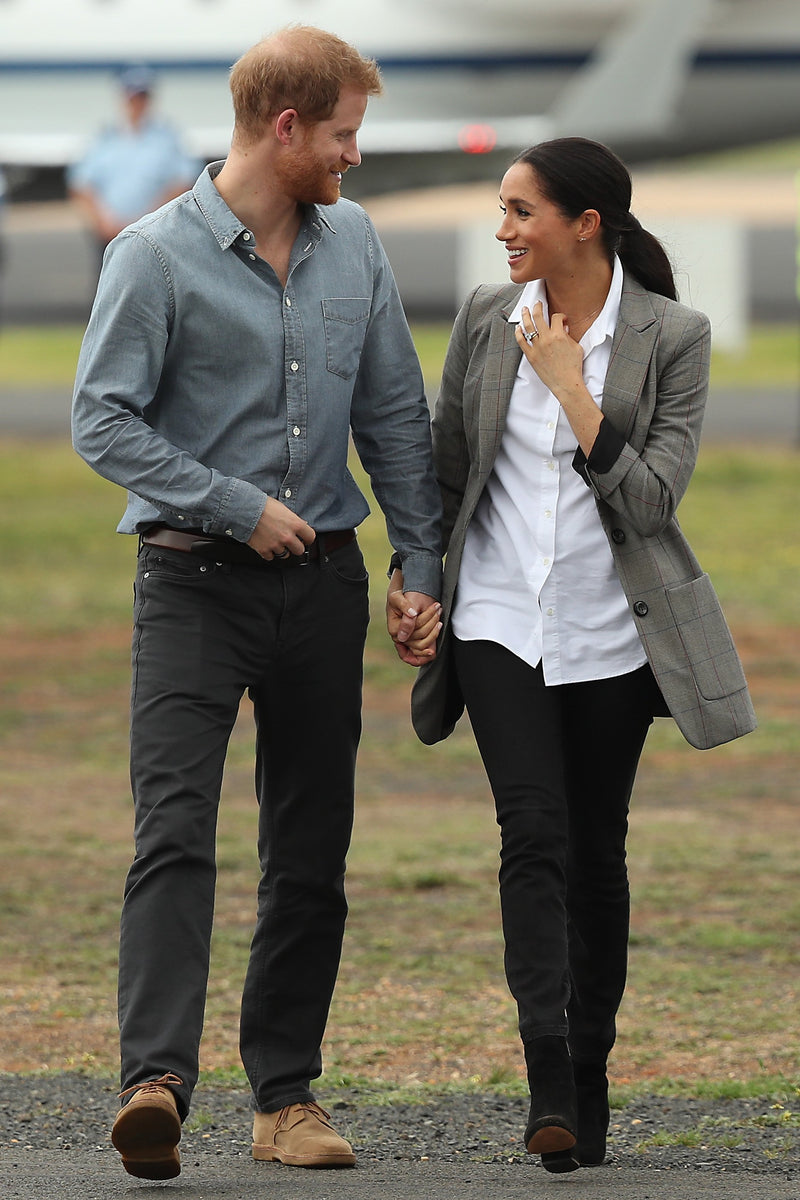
(581, 239)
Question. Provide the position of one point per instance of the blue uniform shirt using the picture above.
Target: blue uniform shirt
(130, 170)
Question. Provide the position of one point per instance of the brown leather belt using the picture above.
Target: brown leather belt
(191, 541)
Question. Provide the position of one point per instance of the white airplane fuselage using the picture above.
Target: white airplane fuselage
(454, 72)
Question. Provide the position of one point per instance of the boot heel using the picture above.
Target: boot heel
(553, 1119)
(560, 1161)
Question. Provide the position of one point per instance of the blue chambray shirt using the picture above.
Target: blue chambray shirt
(204, 386)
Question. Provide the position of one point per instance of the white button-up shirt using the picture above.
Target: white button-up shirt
(537, 575)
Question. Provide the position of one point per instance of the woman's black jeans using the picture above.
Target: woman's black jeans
(205, 633)
(561, 762)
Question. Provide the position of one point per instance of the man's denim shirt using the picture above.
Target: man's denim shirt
(204, 386)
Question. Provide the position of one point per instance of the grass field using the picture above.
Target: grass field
(422, 1002)
(33, 356)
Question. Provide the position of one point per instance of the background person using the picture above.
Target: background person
(132, 167)
(238, 336)
(565, 435)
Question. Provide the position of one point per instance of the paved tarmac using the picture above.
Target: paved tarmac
(458, 1146)
(97, 1175)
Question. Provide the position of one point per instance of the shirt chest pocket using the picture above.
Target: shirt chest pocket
(345, 320)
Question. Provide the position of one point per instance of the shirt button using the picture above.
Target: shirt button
(551, 424)
(288, 302)
(181, 518)
(548, 512)
(546, 562)
(296, 431)
(252, 257)
(549, 612)
(288, 493)
(246, 237)
(229, 533)
(308, 247)
(295, 366)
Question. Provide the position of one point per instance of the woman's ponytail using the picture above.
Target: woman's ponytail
(576, 174)
(643, 256)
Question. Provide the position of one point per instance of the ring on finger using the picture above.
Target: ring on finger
(529, 337)
(286, 553)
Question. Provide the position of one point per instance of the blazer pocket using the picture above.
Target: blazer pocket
(345, 320)
(706, 639)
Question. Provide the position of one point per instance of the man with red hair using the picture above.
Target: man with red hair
(239, 336)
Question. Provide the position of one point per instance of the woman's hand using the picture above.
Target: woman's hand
(555, 357)
(413, 622)
(558, 361)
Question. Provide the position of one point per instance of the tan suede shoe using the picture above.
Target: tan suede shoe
(300, 1135)
(147, 1130)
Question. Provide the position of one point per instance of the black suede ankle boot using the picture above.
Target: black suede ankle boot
(591, 1084)
(553, 1120)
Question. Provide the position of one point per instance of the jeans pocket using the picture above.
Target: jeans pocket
(347, 564)
(176, 566)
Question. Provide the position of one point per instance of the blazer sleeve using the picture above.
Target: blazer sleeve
(657, 452)
(450, 446)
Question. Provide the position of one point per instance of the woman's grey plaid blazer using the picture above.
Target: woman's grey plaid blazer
(654, 395)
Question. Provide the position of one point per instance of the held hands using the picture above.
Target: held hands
(412, 619)
(555, 357)
(280, 532)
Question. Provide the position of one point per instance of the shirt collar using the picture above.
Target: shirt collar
(531, 294)
(224, 223)
(603, 325)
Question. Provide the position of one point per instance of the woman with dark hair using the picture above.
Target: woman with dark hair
(574, 611)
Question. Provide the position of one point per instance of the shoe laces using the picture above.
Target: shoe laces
(309, 1106)
(152, 1085)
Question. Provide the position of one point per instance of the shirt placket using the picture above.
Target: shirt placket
(296, 383)
(550, 476)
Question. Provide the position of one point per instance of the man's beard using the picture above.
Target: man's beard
(308, 180)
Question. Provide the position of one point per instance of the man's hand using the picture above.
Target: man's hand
(412, 619)
(279, 530)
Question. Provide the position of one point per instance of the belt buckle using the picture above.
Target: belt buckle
(302, 560)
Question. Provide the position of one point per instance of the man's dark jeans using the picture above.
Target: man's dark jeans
(293, 636)
(561, 762)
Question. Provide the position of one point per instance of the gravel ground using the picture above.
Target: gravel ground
(70, 1112)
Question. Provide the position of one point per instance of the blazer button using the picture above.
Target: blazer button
(618, 536)
(640, 608)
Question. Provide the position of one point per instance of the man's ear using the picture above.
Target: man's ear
(286, 126)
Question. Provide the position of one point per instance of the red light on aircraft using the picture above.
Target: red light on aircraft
(477, 139)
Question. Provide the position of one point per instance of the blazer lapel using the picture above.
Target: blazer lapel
(631, 351)
(502, 363)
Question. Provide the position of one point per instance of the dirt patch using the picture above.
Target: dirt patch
(421, 995)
